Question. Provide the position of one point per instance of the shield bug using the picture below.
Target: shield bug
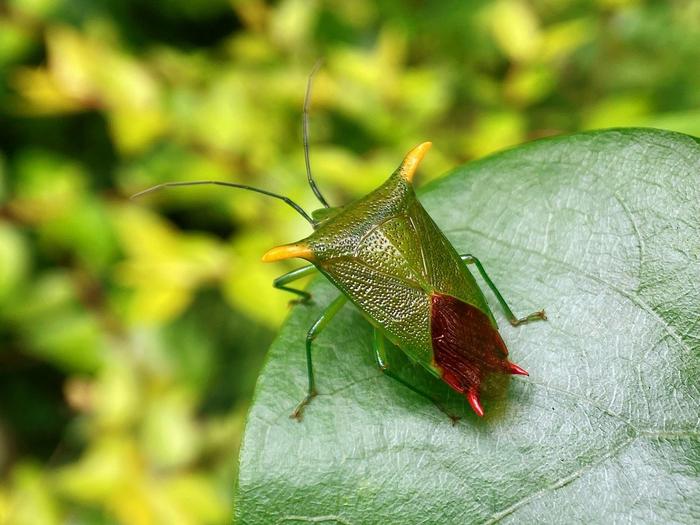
(387, 256)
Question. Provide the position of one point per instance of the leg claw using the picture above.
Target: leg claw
(536, 316)
(304, 301)
(298, 412)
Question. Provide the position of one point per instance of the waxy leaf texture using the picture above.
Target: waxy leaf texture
(601, 229)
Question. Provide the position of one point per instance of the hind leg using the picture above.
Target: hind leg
(379, 344)
(514, 320)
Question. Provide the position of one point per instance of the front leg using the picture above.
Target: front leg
(281, 282)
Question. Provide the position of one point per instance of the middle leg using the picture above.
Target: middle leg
(313, 332)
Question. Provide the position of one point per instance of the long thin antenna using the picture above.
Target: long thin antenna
(305, 126)
(287, 200)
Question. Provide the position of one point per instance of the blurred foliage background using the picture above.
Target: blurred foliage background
(132, 332)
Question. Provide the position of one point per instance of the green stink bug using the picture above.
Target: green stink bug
(386, 255)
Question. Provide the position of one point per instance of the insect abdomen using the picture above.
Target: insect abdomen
(466, 346)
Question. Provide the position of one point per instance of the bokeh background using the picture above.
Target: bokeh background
(132, 333)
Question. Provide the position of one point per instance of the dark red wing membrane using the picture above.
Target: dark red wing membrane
(466, 346)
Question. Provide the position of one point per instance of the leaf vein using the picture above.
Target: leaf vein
(561, 482)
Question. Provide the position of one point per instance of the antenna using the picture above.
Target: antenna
(287, 200)
(305, 128)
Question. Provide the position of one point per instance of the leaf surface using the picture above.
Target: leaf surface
(603, 230)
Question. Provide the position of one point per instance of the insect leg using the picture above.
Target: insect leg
(515, 321)
(282, 281)
(313, 332)
(379, 343)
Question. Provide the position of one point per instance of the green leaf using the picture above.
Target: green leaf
(603, 230)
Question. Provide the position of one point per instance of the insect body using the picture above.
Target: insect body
(386, 255)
